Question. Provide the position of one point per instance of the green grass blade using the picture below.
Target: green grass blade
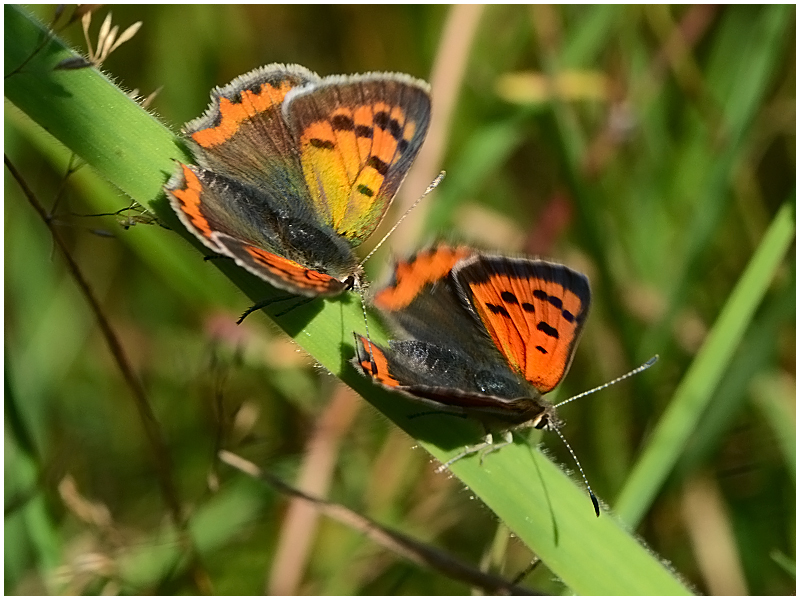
(86, 112)
(698, 385)
(751, 365)
(756, 44)
(29, 528)
(775, 398)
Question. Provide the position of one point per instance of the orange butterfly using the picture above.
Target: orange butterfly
(489, 336)
(296, 170)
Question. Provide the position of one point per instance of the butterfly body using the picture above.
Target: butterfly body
(294, 170)
(489, 334)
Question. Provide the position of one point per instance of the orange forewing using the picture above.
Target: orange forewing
(232, 113)
(347, 155)
(412, 276)
(523, 318)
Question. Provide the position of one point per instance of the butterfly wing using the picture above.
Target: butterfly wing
(533, 311)
(357, 137)
(449, 380)
(228, 217)
(452, 362)
(248, 198)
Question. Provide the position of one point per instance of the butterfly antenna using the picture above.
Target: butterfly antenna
(638, 369)
(430, 188)
(580, 468)
(433, 185)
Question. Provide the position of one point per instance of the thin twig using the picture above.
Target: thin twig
(151, 427)
(398, 543)
(149, 422)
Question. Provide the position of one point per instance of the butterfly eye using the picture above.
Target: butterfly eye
(350, 282)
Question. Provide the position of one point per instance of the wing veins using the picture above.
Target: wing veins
(271, 133)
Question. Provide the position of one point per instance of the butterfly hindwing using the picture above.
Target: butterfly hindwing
(533, 310)
(357, 137)
(278, 270)
(449, 380)
(209, 205)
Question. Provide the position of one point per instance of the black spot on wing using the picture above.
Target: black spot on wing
(381, 119)
(377, 164)
(363, 189)
(342, 123)
(385, 122)
(497, 309)
(395, 129)
(547, 329)
(363, 131)
(324, 144)
(543, 296)
(509, 297)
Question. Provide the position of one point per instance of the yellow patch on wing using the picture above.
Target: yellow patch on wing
(345, 159)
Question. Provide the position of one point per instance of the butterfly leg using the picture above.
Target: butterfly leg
(264, 303)
(508, 438)
(300, 302)
(527, 570)
(469, 450)
(486, 447)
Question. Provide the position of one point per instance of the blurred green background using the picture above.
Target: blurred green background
(650, 147)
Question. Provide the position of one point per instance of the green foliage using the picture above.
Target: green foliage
(662, 165)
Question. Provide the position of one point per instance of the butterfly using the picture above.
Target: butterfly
(294, 171)
(488, 336)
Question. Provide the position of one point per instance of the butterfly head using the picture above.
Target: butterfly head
(533, 412)
(547, 419)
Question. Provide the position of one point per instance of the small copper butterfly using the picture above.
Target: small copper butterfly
(295, 170)
(489, 336)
